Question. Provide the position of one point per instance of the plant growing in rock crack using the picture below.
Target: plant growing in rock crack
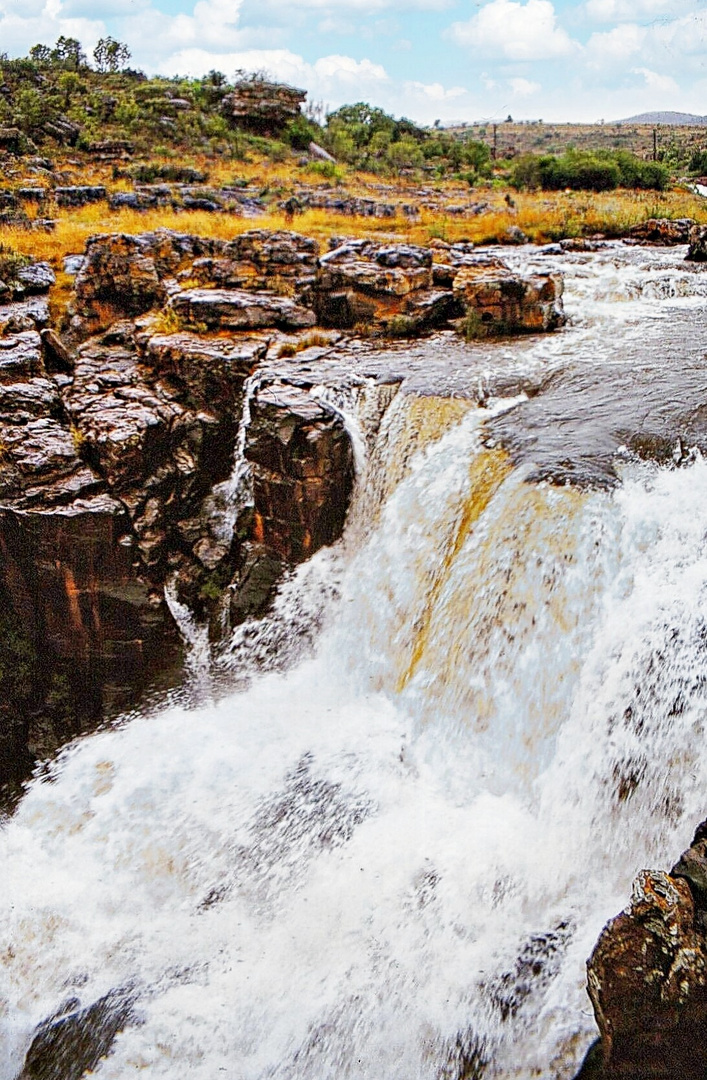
(169, 321)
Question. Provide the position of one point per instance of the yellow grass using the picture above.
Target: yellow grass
(542, 216)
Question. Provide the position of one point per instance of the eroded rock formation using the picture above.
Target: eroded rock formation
(118, 468)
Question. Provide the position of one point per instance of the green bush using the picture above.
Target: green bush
(587, 170)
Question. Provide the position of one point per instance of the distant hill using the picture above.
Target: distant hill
(676, 118)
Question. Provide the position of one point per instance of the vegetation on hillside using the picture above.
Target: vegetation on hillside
(588, 170)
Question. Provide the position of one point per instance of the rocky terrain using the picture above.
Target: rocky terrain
(163, 439)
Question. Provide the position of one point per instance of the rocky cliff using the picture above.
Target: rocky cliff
(165, 439)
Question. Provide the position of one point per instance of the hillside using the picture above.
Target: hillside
(678, 119)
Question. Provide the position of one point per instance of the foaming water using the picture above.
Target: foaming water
(460, 733)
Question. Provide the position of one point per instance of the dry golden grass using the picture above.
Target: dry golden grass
(542, 216)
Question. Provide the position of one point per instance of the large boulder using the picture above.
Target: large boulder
(647, 976)
(697, 251)
(498, 301)
(117, 279)
(664, 231)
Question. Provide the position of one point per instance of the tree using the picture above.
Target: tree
(111, 55)
(68, 53)
(40, 54)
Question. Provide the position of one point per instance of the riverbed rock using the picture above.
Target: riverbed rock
(697, 250)
(663, 231)
(117, 279)
(302, 471)
(260, 259)
(502, 302)
(74, 1040)
(238, 309)
(647, 979)
(205, 372)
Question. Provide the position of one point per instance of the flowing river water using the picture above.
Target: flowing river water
(386, 851)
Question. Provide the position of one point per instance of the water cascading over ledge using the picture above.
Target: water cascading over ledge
(392, 851)
(393, 858)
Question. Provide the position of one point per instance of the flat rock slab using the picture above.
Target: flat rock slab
(240, 310)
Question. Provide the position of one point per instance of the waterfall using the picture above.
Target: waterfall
(463, 730)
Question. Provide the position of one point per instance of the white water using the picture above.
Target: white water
(349, 869)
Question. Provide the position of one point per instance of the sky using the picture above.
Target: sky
(429, 60)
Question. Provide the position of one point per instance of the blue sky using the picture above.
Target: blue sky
(426, 59)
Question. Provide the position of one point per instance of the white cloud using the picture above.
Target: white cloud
(616, 45)
(329, 77)
(44, 23)
(433, 91)
(524, 87)
(620, 10)
(664, 84)
(515, 31)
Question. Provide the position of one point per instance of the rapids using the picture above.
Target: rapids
(385, 840)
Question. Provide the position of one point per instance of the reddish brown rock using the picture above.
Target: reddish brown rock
(204, 372)
(502, 302)
(647, 979)
(302, 472)
(260, 259)
(663, 231)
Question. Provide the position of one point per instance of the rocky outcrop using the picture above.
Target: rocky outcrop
(238, 309)
(647, 976)
(118, 443)
(262, 106)
(498, 301)
(302, 472)
(664, 231)
(80, 195)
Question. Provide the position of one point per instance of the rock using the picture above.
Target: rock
(73, 263)
(239, 310)
(262, 106)
(362, 282)
(31, 194)
(302, 472)
(205, 372)
(74, 1040)
(502, 302)
(116, 279)
(79, 195)
(253, 588)
(30, 314)
(36, 278)
(57, 358)
(664, 231)
(131, 200)
(697, 251)
(259, 260)
(647, 979)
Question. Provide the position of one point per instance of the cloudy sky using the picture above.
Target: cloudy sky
(426, 59)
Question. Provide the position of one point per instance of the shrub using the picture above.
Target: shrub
(587, 170)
